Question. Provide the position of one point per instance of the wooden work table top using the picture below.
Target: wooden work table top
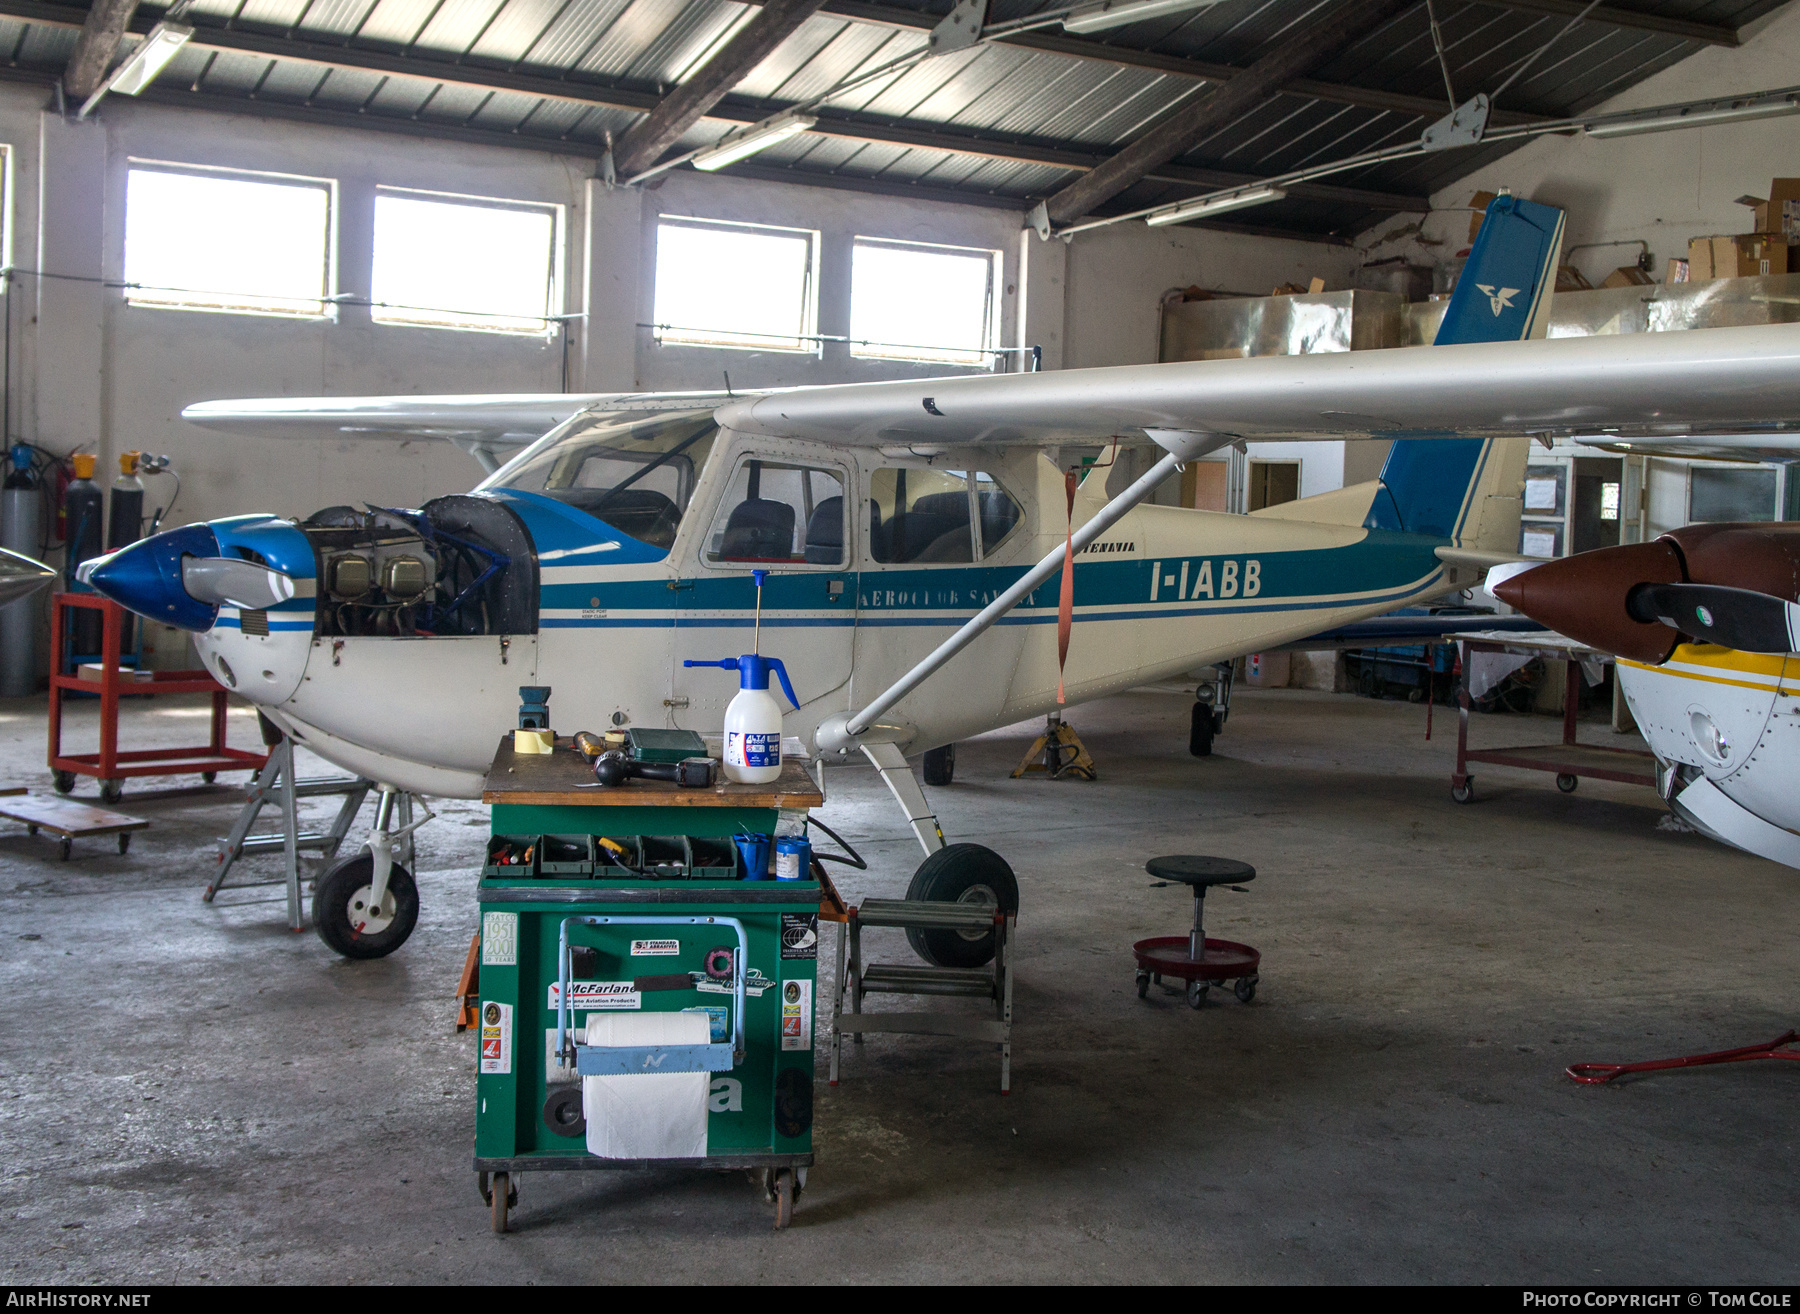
(554, 778)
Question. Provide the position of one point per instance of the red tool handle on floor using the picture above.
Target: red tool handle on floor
(1598, 1074)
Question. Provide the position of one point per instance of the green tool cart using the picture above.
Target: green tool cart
(622, 944)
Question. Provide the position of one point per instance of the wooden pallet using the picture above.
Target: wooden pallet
(67, 819)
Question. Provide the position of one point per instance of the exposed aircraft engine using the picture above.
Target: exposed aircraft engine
(457, 566)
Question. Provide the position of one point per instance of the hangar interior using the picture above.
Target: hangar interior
(566, 205)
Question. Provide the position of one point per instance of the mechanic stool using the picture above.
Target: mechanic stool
(1193, 958)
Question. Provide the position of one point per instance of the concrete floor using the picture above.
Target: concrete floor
(191, 1092)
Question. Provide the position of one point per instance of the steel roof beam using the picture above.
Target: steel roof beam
(1181, 131)
(101, 32)
(650, 138)
(1056, 43)
(830, 125)
(1712, 34)
(592, 150)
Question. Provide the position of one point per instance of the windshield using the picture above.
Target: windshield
(636, 474)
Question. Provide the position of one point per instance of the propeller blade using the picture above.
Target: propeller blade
(20, 576)
(1732, 618)
(233, 582)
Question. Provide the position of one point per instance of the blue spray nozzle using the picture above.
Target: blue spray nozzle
(753, 672)
(759, 576)
(21, 456)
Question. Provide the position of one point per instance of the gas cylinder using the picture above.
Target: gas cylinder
(83, 508)
(21, 530)
(125, 511)
(753, 719)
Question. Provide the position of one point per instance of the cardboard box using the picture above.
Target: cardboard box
(1570, 279)
(1749, 255)
(1700, 260)
(1479, 203)
(1677, 273)
(1626, 276)
(1780, 213)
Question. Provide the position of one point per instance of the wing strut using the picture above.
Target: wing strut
(839, 733)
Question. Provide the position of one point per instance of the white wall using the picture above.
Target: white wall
(1663, 188)
(1117, 275)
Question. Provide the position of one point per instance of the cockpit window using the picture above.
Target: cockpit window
(636, 474)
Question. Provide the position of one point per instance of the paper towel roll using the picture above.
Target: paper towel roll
(660, 1116)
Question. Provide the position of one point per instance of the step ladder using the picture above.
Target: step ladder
(276, 786)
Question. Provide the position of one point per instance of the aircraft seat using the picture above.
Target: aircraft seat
(759, 529)
(825, 533)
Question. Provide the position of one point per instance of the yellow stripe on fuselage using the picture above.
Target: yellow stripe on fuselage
(1706, 663)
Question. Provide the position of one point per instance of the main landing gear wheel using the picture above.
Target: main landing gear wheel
(961, 873)
(1464, 792)
(940, 765)
(341, 901)
(1202, 726)
(1567, 782)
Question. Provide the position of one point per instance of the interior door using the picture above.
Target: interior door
(785, 509)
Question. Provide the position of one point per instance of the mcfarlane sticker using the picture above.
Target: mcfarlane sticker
(496, 1039)
(654, 948)
(799, 935)
(500, 939)
(796, 1015)
(754, 983)
(598, 994)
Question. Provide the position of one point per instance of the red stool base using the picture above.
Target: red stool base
(1167, 955)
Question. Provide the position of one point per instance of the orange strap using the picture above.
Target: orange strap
(1065, 607)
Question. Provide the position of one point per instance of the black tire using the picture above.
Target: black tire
(961, 873)
(1143, 984)
(111, 791)
(1567, 782)
(1245, 989)
(331, 908)
(940, 765)
(209, 776)
(65, 782)
(1201, 729)
(1196, 993)
(1464, 792)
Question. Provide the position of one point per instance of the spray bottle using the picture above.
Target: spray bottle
(753, 720)
(84, 507)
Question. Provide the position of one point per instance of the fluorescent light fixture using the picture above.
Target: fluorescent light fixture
(757, 137)
(1117, 13)
(151, 57)
(1698, 118)
(1206, 205)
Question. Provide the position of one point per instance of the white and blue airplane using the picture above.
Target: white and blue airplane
(910, 528)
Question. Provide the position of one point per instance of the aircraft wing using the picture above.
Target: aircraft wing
(1404, 628)
(488, 419)
(1701, 381)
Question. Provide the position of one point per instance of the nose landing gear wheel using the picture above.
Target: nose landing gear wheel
(347, 923)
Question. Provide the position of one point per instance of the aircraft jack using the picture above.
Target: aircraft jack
(1058, 752)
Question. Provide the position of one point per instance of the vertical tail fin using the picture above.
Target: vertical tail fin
(1467, 489)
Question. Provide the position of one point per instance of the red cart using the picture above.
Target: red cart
(110, 765)
(1569, 760)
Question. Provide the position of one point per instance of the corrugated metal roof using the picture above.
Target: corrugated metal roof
(572, 71)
